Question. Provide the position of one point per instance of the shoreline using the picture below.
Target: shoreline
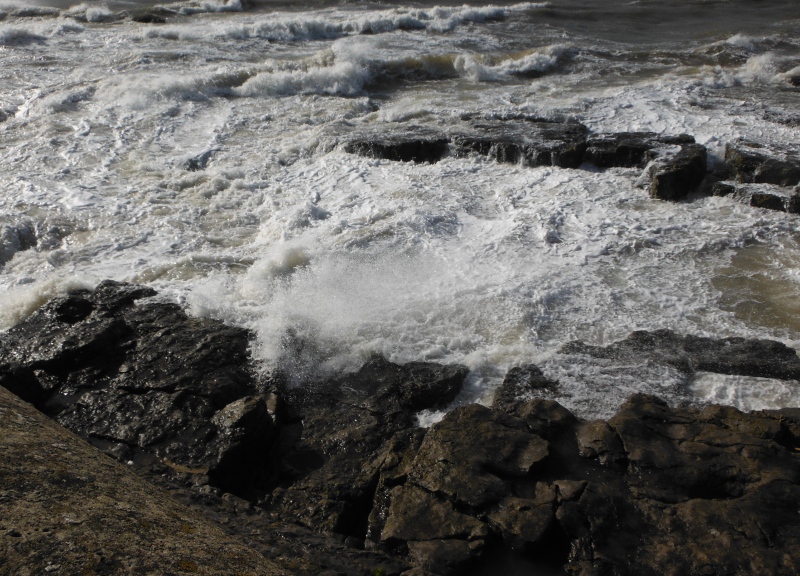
(340, 477)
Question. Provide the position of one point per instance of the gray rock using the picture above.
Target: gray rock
(414, 144)
(678, 176)
(756, 164)
(526, 142)
(628, 149)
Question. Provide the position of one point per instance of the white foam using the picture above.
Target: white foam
(746, 393)
(330, 257)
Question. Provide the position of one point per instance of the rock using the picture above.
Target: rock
(767, 196)
(199, 162)
(628, 149)
(336, 477)
(416, 515)
(149, 18)
(142, 381)
(66, 508)
(470, 454)
(679, 175)
(734, 356)
(15, 238)
(340, 431)
(723, 189)
(755, 164)
(441, 556)
(530, 143)
(524, 522)
(411, 145)
(522, 381)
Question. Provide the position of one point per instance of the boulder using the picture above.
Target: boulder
(340, 433)
(677, 176)
(144, 382)
(752, 163)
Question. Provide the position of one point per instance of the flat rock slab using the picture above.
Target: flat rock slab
(66, 508)
(526, 142)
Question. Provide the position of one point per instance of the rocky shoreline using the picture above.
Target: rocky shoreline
(339, 479)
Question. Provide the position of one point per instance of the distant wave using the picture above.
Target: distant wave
(333, 24)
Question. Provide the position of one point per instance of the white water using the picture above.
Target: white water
(465, 260)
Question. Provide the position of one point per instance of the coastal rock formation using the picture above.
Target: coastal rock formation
(752, 163)
(676, 164)
(733, 356)
(529, 143)
(144, 381)
(629, 149)
(337, 478)
(770, 197)
(412, 145)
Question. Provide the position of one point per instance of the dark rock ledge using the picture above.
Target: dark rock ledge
(675, 166)
(337, 479)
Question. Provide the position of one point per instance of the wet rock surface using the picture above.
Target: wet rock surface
(529, 143)
(733, 356)
(677, 165)
(337, 478)
(767, 196)
(751, 163)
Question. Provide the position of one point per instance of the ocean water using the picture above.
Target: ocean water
(331, 257)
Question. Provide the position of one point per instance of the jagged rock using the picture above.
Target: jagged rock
(753, 163)
(416, 514)
(524, 522)
(412, 145)
(628, 149)
(522, 381)
(143, 381)
(678, 176)
(530, 143)
(341, 465)
(337, 431)
(442, 556)
(468, 456)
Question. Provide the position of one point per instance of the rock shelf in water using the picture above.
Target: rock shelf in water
(337, 478)
(676, 166)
